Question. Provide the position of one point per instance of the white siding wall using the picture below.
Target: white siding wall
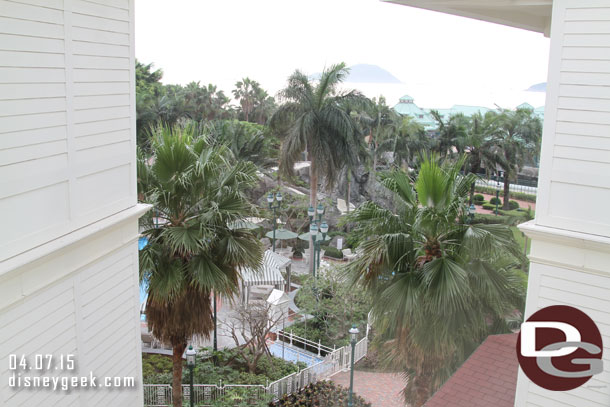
(56, 306)
(68, 247)
(569, 271)
(570, 255)
(574, 188)
(67, 117)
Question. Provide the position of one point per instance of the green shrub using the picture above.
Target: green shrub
(495, 200)
(489, 207)
(332, 252)
(480, 203)
(325, 393)
(512, 205)
(489, 218)
(230, 367)
(513, 195)
(478, 198)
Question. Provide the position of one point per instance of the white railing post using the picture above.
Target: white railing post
(319, 345)
(291, 337)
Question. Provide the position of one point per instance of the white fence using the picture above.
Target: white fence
(304, 343)
(527, 189)
(204, 395)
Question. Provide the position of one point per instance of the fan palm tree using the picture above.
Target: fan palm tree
(517, 138)
(441, 282)
(246, 92)
(196, 191)
(313, 119)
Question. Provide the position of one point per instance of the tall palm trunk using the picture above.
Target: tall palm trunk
(474, 166)
(375, 139)
(313, 195)
(505, 206)
(178, 350)
(348, 189)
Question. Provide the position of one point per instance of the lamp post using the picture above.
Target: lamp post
(323, 230)
(471, 212)
(316, 225)
(215, 325)
(270, 198)
(190, 362)
(497, 194)
(353, 332)
(313, 232)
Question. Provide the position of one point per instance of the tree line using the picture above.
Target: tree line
(439, 277)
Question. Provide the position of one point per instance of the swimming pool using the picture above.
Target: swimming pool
(293, 355)
(142, 242)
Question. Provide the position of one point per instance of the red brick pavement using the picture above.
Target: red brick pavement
(380, 389)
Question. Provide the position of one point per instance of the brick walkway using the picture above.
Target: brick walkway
(380, 389)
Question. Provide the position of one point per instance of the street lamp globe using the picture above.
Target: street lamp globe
(279, 197)
(313, 231)
(311, 211)
(190, 356)
(324, 227)
(353, 332)
(270, 198)
(320, 209)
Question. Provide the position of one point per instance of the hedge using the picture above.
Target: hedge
(478, 198)
(512, 195)
(489, 207)
(495, 200)
(332, 252)
(489, 218)
(512, 205)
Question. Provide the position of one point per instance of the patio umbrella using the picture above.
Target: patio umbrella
(305, 236)
(281, 234)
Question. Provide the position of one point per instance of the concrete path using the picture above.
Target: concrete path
(380, 389)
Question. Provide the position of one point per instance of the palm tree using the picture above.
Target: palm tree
(313, 119)
(441, 283)
(246, 92)
(516, 139)
(380, 122)
(196, 190)
(406, 143)
(246, 141)
(451, 133)
(480, 130)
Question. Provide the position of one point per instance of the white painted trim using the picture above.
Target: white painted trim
(512, 13)
(550, 115)
(71, 238)
(565, 237)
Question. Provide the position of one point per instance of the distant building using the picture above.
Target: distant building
(407, 107)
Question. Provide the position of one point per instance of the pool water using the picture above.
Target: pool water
(142, 242)
(293, 355)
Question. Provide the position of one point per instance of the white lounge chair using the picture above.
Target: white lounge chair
(347, 253)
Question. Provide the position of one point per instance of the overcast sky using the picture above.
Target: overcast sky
(441, 60)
